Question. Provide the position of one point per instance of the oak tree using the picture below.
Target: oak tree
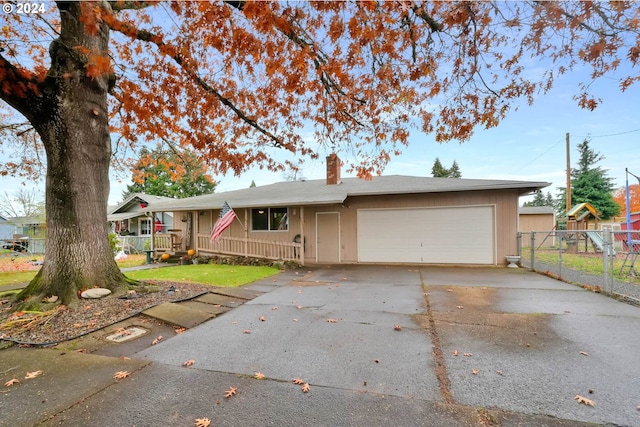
(85, 82)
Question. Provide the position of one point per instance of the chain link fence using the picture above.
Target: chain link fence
(604, 260)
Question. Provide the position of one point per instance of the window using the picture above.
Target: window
(269, 219)
(145, 226)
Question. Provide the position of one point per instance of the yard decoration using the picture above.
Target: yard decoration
(165, 257)
(191, 252)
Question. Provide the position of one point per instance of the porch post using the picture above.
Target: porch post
(153, 231)
(302, 235)
(246, 233)
(196, 228)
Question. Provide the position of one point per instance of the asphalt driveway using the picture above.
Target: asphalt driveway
(401, 346)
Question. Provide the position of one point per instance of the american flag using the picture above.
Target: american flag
(225, 219)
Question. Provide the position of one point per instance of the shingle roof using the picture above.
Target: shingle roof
(317, 192)
(533, 210)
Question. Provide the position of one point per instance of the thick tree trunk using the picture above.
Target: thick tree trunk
(73, 125)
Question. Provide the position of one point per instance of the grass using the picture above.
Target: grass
(207, 274)
(589, 263)
(14, 271)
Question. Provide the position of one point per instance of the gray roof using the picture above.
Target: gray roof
(317, 192)
(536, 210)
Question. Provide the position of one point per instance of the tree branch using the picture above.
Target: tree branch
(149, 37)
(19, 88)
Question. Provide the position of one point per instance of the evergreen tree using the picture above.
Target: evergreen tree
(454, 171)
(590, 183)
(540, 199)
(439, 171)
(253, 184)
(169, 173)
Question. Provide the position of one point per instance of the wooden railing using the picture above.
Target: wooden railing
(162, 242)
(254, 248)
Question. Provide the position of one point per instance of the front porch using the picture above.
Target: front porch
(232, 246)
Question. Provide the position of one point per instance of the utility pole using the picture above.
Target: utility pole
(568, 173)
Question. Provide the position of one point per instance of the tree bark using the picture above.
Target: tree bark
(71, 118)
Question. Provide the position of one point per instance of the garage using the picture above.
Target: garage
(442, 235)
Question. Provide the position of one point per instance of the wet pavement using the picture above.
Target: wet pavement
(378, 346)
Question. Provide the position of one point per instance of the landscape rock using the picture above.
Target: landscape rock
(95, 293)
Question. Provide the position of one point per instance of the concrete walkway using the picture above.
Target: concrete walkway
(400, 346)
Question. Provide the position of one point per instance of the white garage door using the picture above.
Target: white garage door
(452, 235)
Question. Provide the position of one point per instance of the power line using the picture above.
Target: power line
(542, 154)
(604, 136)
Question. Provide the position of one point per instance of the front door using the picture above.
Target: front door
(328, 237)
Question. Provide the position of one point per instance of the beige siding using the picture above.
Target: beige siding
(537, 222)
(505, 202)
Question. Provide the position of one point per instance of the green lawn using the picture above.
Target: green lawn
(588, 263)
(208, 274)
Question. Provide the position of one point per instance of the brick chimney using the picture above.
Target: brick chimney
(333, 169)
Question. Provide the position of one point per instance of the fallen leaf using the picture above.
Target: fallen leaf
(230, 392)
(31, 375)
(180, 330)
(344, 278)
(11, 382)
(299, 307)
(397, 327)
(584, 353)
(499, 372)
(332, 321)
(203, 422)
(449, 290)
(295, 320)
(274, 308)
(455, 352)
(298, 381)
(189, 362)
(467, 354)
(157, 340)
(120, 375)
(125, 358)
(475, 372)
(306, 387)
(262, 318)
(584, 400)
(459, 307)
(260, 375)
(246, 331)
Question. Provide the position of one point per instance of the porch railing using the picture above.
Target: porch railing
(269, 249)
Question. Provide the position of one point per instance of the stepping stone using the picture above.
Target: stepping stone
(94, 293)
(208, 308)
(242, 293)
(178, 314)
(221, 300)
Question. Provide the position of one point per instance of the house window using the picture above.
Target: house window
(269, 219)
(145, 226)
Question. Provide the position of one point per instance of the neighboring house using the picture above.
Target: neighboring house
(129, 219)
(27, 233)
(6, 229)
(133, 225)
(388, 219)
(542, 220)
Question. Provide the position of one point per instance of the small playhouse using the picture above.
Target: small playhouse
(581, 226)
